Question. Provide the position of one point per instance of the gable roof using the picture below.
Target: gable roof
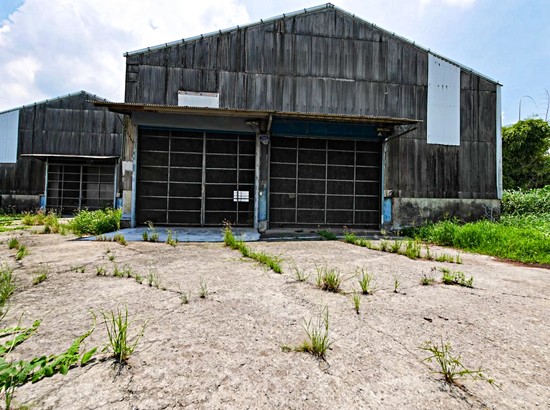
(327, 6)
(87, 95)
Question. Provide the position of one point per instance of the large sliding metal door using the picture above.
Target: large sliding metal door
(322, 182)
(195, 178)
(71, 187)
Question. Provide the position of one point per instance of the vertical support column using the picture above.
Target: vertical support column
(262, 177)
(44, 206)
(129, 168)
(115, 187)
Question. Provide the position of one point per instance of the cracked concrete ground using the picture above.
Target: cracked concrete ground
(224, 351)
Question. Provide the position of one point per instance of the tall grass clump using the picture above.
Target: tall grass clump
(96, 222)
(118, 325)
(328, 279)
(318, 335)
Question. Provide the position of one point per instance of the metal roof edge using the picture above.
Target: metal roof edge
(301, 12)
(230, 29)
(62, 97)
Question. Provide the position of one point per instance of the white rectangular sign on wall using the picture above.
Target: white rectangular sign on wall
(443, 102)
(194, 99)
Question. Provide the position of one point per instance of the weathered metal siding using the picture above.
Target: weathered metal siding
(9, 122)
(327, 61)
(66, 126)
(69, 126)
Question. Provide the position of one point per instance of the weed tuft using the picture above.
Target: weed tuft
(120, 239)
(21, 252)
(366, 281)
(456, 278)
(13, 243)
(170, 239)
(318, 336)
(118, 324)
(356, 298)
(95, 222)
(451, 367)
(328, 279)
(203, 288)
(300, 274)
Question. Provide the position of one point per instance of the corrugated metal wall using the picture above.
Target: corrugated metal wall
(9, 123)
(327, 61)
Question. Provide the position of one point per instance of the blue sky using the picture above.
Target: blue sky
(50, 48)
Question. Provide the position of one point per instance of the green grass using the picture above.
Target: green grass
(272, 262)
(522, 238)
(95, 222)
(327, 235)
(456, 278)
(7, 285)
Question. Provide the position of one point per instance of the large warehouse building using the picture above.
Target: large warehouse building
(315, 118)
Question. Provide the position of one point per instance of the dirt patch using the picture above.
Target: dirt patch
(224, 351)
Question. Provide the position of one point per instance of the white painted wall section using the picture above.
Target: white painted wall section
(9, 124)
(193, 99)
(443, 102)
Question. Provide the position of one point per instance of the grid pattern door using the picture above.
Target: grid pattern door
(321, 182)
(189, 178)
(79, 186)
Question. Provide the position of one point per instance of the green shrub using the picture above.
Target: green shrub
(96, 222)
(520, 202)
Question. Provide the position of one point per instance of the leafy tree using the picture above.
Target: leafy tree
(525, 154)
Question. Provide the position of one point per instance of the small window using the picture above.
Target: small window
(194, 99)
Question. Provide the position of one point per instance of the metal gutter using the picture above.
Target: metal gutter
(299, 13)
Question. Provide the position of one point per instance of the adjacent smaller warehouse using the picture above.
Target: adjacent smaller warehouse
(61, 154)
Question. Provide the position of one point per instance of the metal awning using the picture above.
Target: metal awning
(129, 108)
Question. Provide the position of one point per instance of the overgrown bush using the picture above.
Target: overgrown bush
(96, 222)
(519, 202)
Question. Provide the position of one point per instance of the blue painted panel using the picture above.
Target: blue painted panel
(386, 210)
(298, 128)
(262, 208)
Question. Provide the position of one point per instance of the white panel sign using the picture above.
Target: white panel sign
(9, 125)
(192, 99)
(443, 102)
(241, 196)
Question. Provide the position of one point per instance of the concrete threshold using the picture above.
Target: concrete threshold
(180, 234)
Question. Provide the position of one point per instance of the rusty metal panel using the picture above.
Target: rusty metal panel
(9, 124)
(443, 102)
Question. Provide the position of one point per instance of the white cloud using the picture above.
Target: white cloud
(60, 46)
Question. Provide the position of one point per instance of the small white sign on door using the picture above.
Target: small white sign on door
(241, 196)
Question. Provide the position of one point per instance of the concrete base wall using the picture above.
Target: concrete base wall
(408, 212)
(19, 203)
